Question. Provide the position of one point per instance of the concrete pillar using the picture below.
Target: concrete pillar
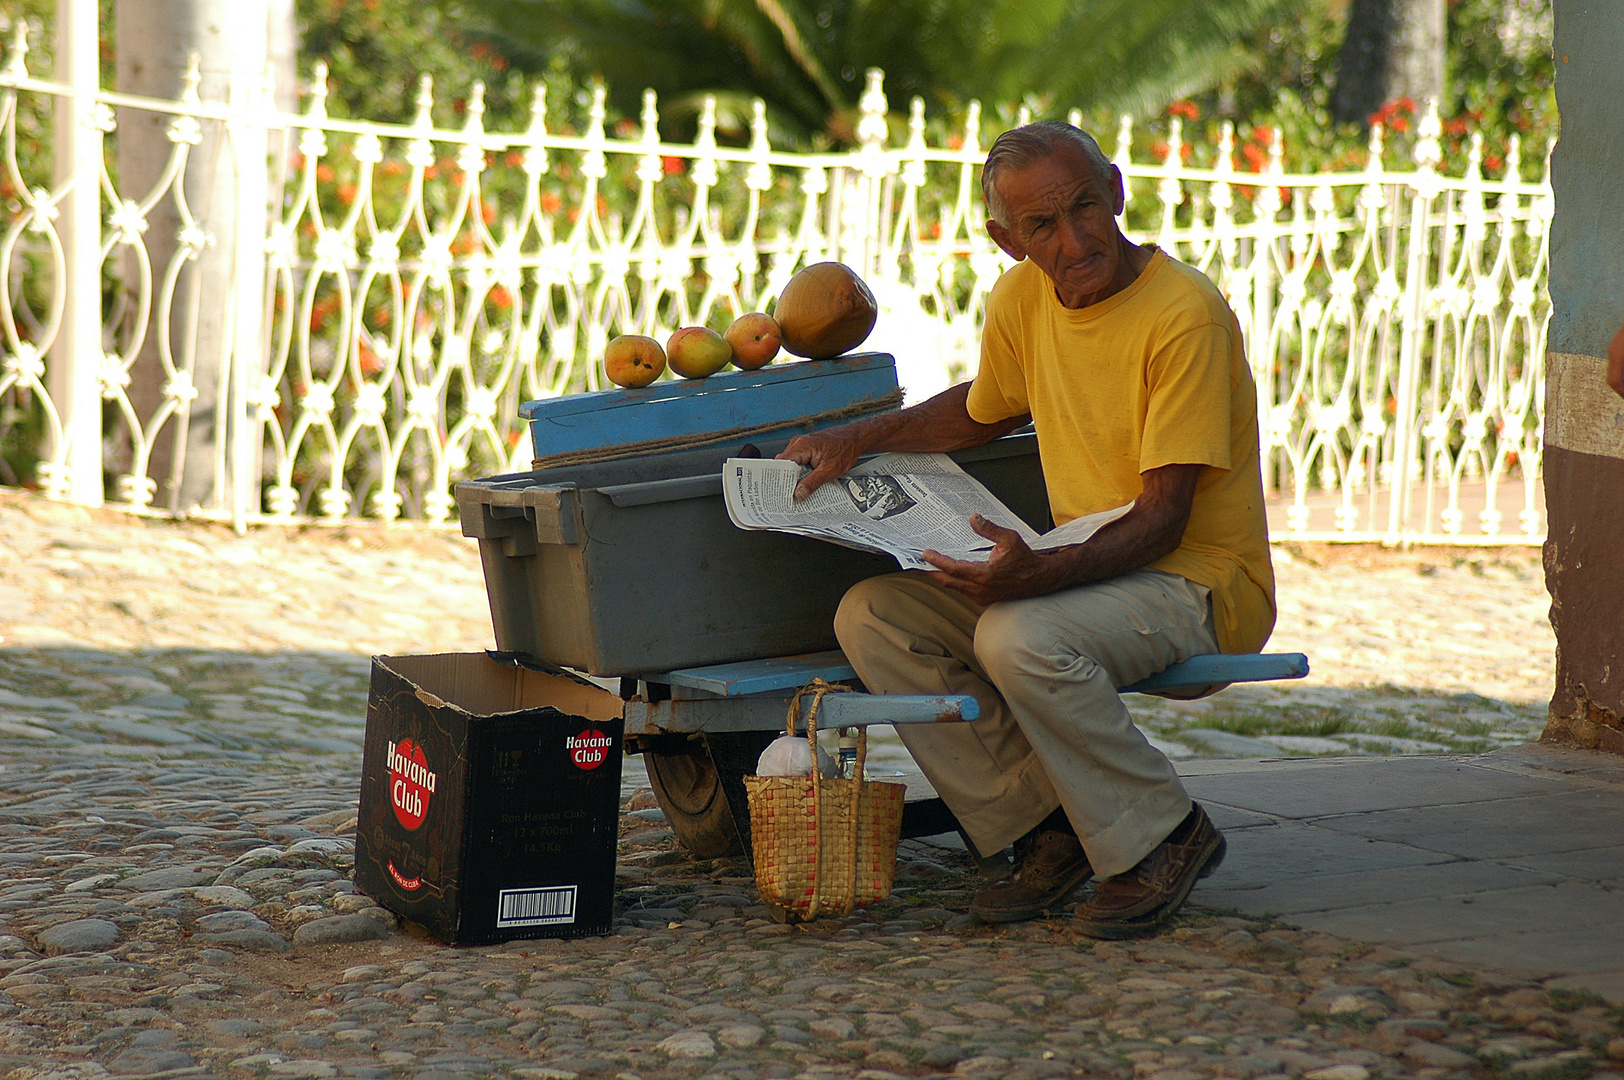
(1584, 420)
(156, 39)
(76, 354)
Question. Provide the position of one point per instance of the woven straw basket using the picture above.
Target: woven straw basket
(823, 847)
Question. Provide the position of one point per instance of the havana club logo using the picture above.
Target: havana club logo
(411, 782)
(588, 749)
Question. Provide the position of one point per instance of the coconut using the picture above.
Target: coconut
(825, 310)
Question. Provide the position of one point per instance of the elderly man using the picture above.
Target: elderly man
(1130, 365)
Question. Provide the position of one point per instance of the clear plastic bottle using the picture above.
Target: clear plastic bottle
(848, 754)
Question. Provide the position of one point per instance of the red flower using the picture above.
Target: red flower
(671, 166)
(1186, 109)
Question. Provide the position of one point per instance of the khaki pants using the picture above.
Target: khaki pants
(1053, 731)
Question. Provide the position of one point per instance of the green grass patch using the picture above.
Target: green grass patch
(1570, 999)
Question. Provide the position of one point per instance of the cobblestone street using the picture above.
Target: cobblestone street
(181, 716)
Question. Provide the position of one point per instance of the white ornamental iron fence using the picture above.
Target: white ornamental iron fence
(410, 285)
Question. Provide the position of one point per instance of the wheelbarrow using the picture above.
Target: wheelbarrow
(615, 557)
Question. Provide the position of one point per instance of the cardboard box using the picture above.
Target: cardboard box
(490, 798)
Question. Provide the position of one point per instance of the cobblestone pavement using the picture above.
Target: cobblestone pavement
(180, 720)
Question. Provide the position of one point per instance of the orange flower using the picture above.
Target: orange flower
(672, 166)
(550, 202)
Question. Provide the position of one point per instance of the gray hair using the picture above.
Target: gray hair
(1019, 147)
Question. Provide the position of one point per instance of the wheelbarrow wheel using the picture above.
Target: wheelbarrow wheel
(690, 792)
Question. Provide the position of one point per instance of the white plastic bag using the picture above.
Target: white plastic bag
(789, 755)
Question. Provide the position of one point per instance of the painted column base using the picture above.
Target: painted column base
(1584, 571)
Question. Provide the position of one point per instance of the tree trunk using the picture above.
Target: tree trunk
(1392, 49)
(155, 40)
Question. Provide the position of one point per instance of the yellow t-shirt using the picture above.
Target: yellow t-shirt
(1156, 375)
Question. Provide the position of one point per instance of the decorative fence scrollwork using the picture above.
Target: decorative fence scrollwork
(411, 285)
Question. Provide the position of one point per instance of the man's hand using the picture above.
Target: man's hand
(1615, 363)
(829, 454)
(1153, 528)
(935, 426)
(1014, 571)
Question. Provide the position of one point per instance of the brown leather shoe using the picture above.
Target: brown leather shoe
(1049, 867)
(1139, 902)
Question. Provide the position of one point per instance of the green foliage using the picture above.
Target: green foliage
(807, 58)
(1500, 83)
(377, 51)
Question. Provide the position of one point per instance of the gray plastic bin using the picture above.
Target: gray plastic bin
(632, 567)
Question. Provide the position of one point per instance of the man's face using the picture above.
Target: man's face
(1062, 216)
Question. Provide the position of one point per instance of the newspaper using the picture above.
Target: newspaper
(898, 504)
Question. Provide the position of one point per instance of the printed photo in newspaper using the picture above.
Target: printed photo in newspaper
(900, 504)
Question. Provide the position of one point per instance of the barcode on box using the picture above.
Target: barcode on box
(535, 907)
